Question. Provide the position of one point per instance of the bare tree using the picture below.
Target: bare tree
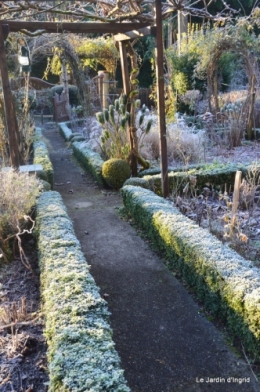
(107, 10)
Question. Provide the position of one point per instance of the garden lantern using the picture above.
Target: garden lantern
(24, 58)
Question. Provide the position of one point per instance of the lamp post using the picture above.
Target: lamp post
(24, 58)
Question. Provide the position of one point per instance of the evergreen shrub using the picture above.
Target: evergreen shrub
(115, 172)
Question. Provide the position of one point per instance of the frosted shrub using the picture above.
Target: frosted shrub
(184, 143)
(18, 193)
(92, 131)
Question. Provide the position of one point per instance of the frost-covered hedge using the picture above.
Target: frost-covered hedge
(65, 130)
(41, 157)
(81, 352)
(157, 170)
(137, 182)
(216, 176)
(228, 284)
(90, 160)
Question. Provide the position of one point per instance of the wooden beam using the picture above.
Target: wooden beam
(5, 31)
(126, 80)
(135, 33)
(70, 27)
(124, 67)
(160, 98)
(10, 116)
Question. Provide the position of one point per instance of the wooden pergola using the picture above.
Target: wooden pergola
(123, 32)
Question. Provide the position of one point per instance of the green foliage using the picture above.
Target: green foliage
(182, 78)
(115, 172)
(73, 93)
(100, 50)
(81, 352)
(184, 64)
(228, 285)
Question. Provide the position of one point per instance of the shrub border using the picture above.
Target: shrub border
(41, 156)
(90, 160)
(65, 131)
(228, 284)
(81, 352)
(216, 176)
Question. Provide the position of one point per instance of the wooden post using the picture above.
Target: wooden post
(236, 196)
(10, 116)
(160, 98)
(124, 67)
(127, 88)
(250, 120)
(182, 28)
(66, 87)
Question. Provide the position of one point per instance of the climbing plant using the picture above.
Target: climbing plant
(97, 51)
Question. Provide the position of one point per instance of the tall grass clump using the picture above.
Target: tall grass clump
(18, 193)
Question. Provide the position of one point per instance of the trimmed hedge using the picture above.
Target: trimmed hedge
(65, 131)
(73, 93)
(90, 160)
(81, 352)
(216, 176)
(41, 157)
(135, 181)
(228, 284)
(157, 170)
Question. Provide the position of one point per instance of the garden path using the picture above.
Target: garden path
(164, 341)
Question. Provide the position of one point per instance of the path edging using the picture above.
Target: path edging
(41, 156)
(215, 176)
(90, 160)
(81, 352)
(228, 284)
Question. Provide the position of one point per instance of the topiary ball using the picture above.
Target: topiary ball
(115, 172)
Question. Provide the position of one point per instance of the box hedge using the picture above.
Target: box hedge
(90, 160)
(41, 157)
(218, 176)
(65, 131)
(73, 93)
(228, 284)
(81, 352)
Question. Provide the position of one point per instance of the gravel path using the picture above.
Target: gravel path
(164, 341)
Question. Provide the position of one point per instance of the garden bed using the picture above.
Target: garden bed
(228, 284)
(23, 362)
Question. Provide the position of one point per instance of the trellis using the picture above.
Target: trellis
(124, 32)
(236, 46)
